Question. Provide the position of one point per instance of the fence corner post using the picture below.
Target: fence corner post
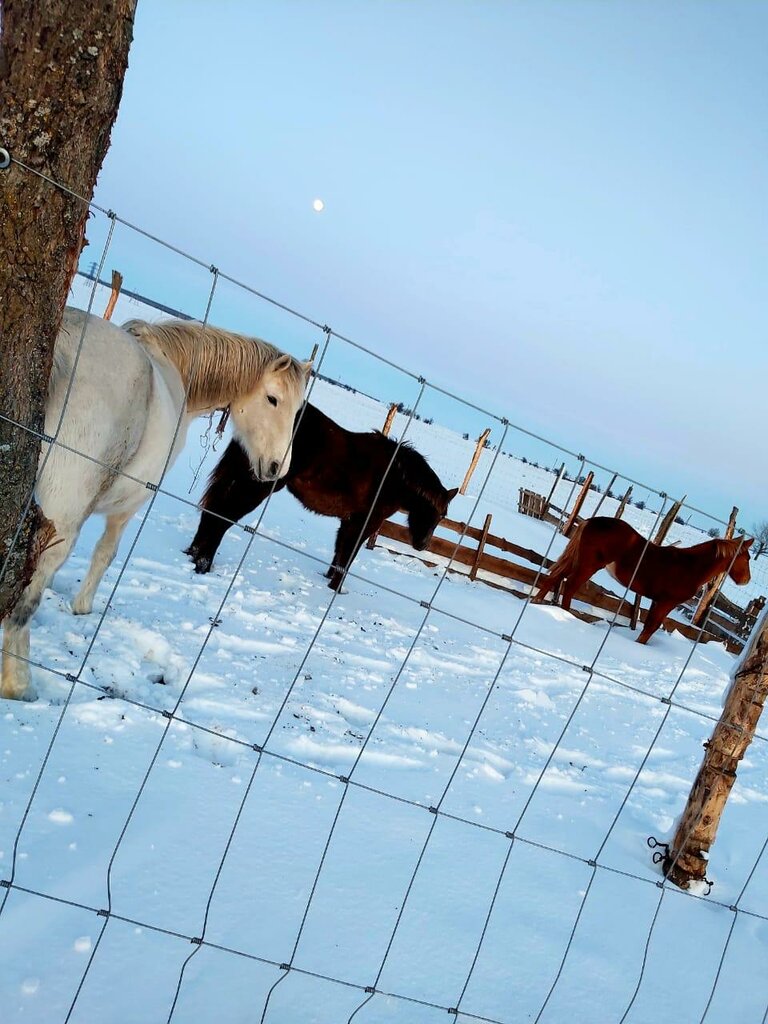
(117, 284)
(475, 459)
(389, 420)
(687, 857)
(582, 496)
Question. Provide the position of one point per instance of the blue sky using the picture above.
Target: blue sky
(555, 209)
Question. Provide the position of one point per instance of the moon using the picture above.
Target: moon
(318, 205)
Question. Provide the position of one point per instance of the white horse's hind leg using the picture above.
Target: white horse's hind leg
(15, 673)
(101, 560)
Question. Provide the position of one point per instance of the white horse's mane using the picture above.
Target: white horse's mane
(215, 365)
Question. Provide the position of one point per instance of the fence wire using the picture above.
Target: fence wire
(369, 989)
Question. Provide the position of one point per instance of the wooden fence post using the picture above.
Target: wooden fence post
(553, 488)
(623, 503)
(569, 523)
(667, 521)
(475, 459)
(480, 546)
(710, 591)
(635, 614)
(389, 420)
(687, 856)
(371, 542)
(604, 495)
(117, 284)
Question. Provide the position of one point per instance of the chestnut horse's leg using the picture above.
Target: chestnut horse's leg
(232, 493)
(577, 578)
(658, 611)
(549, 582)
(353, 533)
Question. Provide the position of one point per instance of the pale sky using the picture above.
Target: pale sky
(555, 209)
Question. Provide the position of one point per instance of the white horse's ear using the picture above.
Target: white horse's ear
(281, 363)
(307, 368)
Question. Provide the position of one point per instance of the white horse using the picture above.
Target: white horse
(135, 391)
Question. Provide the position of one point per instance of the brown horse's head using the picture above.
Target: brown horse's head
(425, 514)
(739, 570)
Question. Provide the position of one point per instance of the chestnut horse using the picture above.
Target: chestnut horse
(334, 472)
(669, 576)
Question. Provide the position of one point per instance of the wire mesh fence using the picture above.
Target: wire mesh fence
(493, 639)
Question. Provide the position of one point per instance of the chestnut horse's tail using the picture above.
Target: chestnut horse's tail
(569, 559)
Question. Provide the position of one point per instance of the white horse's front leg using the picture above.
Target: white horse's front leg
(16, 671)
(103, 554)
(16, 674)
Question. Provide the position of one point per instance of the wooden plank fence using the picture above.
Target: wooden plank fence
(511, 565)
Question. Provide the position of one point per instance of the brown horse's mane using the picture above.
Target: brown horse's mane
(415, 472)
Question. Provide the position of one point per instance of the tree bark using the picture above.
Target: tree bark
(62, 64)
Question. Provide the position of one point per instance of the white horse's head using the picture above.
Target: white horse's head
(263, 418)
(262, 386)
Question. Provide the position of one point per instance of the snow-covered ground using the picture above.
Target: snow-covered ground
(450, 716)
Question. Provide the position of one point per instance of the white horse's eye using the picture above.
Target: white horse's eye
(271, 399)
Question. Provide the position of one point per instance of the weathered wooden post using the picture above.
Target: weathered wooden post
(553, 488)
(604, 495)
(117, 284)
(571, 520)
(712, 588)
(371, 542)
(687, 857)
(480, 546)
(389, 420)
(475, 459)
(623, 503)
(667, 521)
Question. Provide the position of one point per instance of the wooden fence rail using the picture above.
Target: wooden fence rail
(725, 625)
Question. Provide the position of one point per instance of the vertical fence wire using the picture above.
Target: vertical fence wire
(284, 702)
(377, 718)
(46, 757)
(736, 910)
(594, 861)
(170, 715)
(589, 669)
(55, 436)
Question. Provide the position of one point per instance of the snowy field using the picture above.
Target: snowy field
(419, 709)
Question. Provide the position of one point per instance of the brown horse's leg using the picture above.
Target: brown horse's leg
(232, 493)
(353, 533)
(656, 615)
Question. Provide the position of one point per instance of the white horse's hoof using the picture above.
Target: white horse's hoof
(18, 690)
(82, 605)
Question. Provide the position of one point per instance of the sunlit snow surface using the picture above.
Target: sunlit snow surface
(253, 658)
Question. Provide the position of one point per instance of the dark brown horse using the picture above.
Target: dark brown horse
(669, 576)
(334, 472)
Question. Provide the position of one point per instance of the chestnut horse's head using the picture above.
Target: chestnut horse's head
(738, 554)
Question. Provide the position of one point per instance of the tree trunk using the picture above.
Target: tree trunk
(62, 64)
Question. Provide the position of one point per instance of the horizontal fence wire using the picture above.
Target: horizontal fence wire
(513, 836)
